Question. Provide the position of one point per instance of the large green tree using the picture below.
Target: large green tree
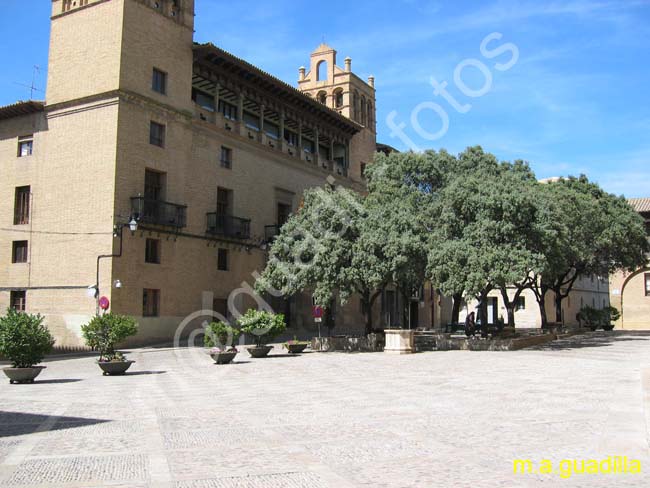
(486, 222)
(597, 234)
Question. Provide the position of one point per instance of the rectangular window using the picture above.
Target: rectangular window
(647, 284)
(157, 134)
(252, 121)
(228, 110)
(154, 185)
(17, 300)
(521, 304)
(222, 259)
(19, 252)
(363, 170)
(290, 137)
(271, 130)
(25, 146)
(224, 202)
(226, 157)
(152, 251)
(150, 302)
(203, 100)
(159, 81)
(21, 205)
(284, 212)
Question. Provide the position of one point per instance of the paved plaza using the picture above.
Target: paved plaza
(436, 419)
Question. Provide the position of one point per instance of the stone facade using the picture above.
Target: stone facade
(631, 290)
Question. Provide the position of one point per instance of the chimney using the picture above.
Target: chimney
(301, 73)
(371, 81)
(348, 64)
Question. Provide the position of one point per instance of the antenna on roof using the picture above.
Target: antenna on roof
(32, 87)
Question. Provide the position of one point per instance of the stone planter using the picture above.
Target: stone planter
(259, 352)
(223, 357)
(295, 348)
(399, 341)
(114, 368)
(23, 375)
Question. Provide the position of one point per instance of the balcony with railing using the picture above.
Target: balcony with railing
(228, 226)
(158, 212)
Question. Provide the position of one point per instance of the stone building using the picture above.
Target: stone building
(631, 291)
(205, 152)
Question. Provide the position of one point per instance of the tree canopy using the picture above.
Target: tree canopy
(469, 224)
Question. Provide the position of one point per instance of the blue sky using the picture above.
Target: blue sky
(576, 101)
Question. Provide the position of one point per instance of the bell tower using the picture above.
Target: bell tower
(343, 91)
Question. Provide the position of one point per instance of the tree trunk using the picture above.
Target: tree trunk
(483, 312)
(558, 306)
(367, 310)
(542, 309)
(455, 309)
(510, 306)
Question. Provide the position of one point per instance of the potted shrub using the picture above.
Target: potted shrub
(220, 337)
(295, 346)
(24, 341)
(263, 326)
(102, 333)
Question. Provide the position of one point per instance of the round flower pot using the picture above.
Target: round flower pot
(259, 352)
(223, 357)
(114, 368)
(295, 348)
(23, 375)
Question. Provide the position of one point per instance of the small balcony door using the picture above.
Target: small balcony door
(154, 191)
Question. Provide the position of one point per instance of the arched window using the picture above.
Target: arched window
(322, 97)
(338, 98)
(363, 110)
(321, 71)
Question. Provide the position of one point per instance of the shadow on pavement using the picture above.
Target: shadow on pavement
(594, 339)
(21, 423)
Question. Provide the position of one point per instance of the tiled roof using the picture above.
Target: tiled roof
(20, 108)
(640, 204)
(226, 60)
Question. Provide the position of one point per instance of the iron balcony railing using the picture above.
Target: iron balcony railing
(228, 226)
(157, 212)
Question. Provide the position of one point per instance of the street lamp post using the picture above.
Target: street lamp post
(117, 232)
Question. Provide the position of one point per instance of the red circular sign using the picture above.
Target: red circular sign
(317, 311)
(104, 303)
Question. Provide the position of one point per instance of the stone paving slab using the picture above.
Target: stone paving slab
(439, 419)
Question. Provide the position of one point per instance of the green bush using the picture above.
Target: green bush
(595, 318)
(611, 315)
(262, 325)
(24, 340)
(104, 331)
(222, 335)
